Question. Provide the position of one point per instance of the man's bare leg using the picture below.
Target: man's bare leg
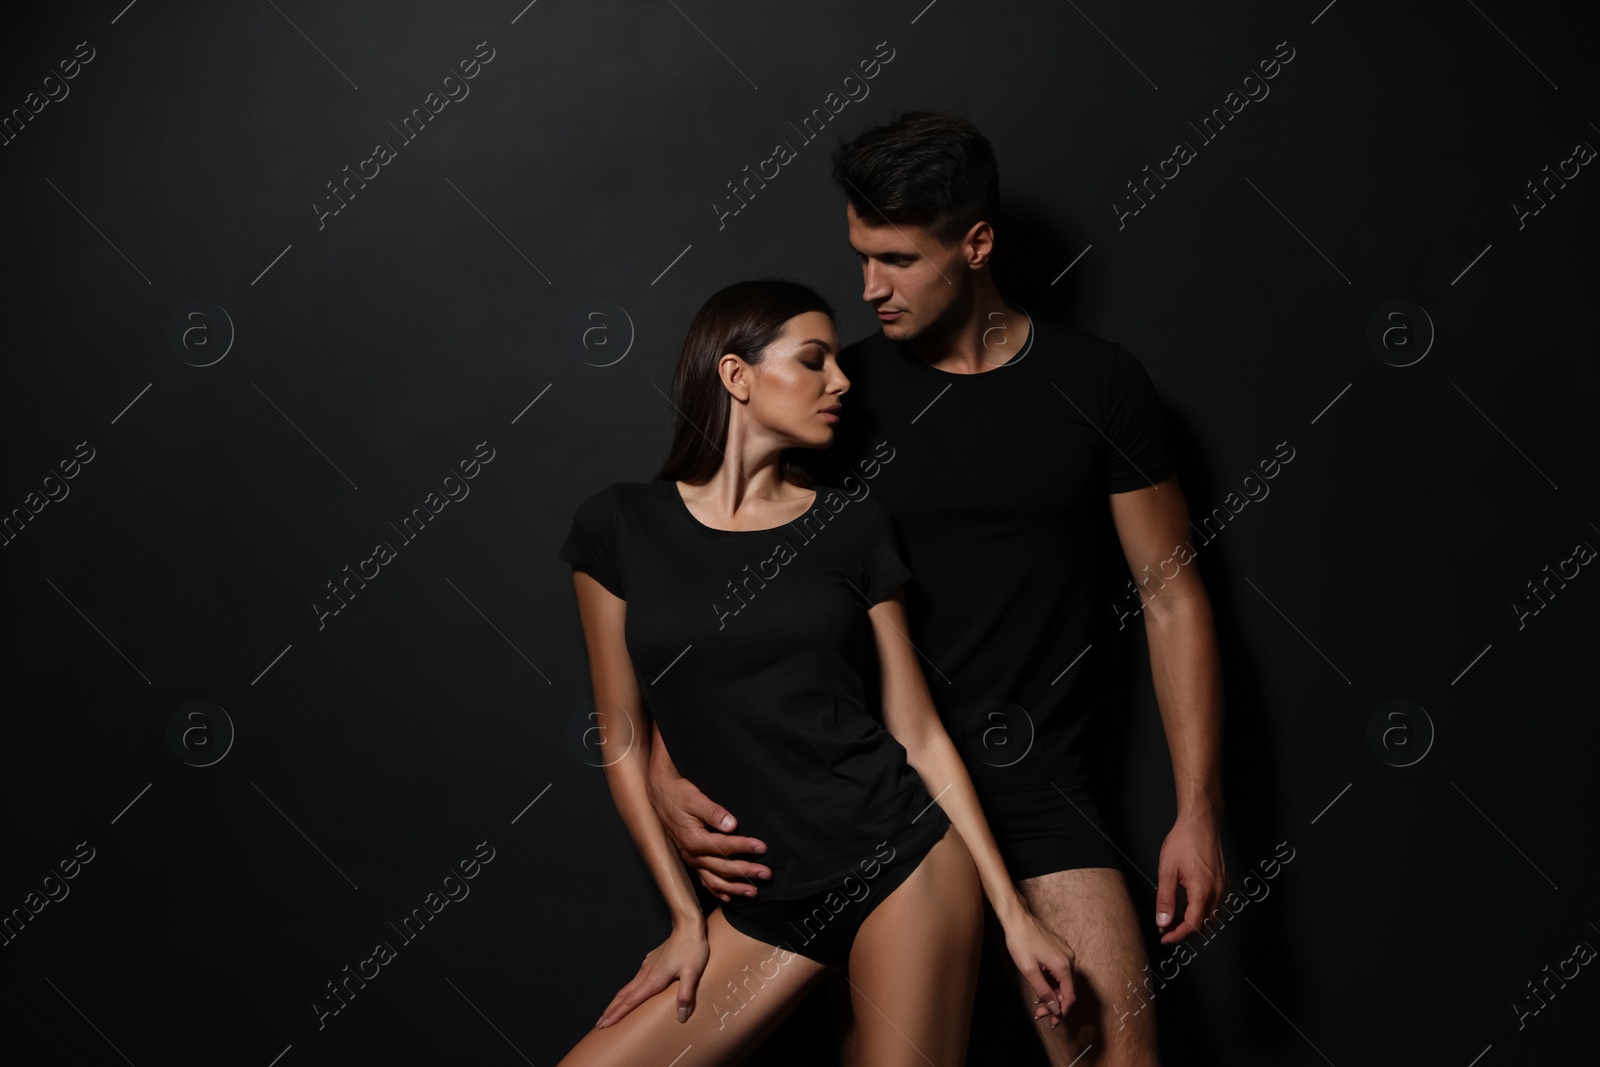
(1091, 909)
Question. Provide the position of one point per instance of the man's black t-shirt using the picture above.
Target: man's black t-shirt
(997, 483)
(749, 648)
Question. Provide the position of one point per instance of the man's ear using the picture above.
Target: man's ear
(978, 246)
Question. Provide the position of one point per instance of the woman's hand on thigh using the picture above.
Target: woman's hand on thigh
(680, 958)
(1045, 961)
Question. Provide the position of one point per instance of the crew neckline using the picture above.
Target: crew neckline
(670, 487)
(1027, 346)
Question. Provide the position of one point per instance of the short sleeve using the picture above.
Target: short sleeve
(883, 570)
(1137, 453)
(591, 544)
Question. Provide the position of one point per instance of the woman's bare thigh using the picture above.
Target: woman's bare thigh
(747, 989)
(914, 964)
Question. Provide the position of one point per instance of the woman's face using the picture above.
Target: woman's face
(794, 392)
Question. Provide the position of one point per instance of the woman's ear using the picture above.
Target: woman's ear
(735, 375)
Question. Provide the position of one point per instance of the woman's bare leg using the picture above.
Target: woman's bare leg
(747, 989)
(914, 964)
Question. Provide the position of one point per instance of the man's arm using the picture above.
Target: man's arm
(1153, 525)
(688, 816)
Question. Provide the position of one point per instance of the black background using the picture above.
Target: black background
(447, 305)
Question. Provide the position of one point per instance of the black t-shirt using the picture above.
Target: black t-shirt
(997, 483)
(749, 646)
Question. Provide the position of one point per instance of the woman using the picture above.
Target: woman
(729, 599)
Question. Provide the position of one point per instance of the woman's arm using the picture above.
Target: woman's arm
(909, 715)
(625, 752)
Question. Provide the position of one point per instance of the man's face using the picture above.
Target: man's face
(908, 277)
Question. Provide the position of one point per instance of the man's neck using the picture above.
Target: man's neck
(983, 336)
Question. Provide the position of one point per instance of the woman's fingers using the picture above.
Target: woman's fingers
(688, 983)
(680, 959)
(1061, 969)
(609, 1016)
(630, 996)
(1046, 962)
(1043, 996)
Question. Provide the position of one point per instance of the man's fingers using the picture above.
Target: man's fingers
(711, 844)
(688, 797)
(712, 813)
(696, 811)
(1195, 913)
(713, 884)
(725, 889)
(731, 870)
(1166, 898)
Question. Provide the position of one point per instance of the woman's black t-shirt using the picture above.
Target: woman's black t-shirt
(749, 646)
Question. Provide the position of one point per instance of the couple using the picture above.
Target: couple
(727, 606)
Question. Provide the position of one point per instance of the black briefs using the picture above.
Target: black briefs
(821, 929)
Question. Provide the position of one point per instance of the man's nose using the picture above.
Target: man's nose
(872, 284)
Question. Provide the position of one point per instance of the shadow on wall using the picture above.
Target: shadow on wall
(1032, 252)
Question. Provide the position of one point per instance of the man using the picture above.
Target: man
(1007, 449)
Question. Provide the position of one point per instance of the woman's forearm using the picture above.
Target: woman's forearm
(629, 789)
(939, 765)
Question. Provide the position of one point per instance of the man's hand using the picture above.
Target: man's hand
(1191, 856)
(688, 816)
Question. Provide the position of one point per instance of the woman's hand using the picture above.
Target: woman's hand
(1045, 962)
(681, 957)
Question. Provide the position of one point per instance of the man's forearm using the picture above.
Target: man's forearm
(1187, 676)
(661, 772)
